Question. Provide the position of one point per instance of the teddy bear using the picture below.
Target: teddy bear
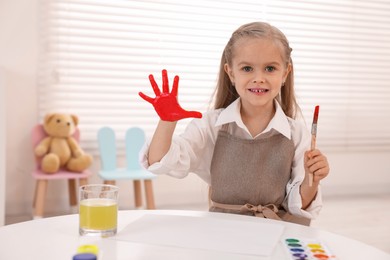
(59, 149)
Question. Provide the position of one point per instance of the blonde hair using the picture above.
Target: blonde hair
(225, 93)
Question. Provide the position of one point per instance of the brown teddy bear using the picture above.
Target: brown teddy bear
(59, 149)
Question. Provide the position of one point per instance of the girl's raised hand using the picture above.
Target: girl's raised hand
(165, 103)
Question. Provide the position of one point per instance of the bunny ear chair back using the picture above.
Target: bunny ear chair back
(110, 172)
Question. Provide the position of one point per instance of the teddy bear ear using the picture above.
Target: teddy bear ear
(75, 119)
(48, 117)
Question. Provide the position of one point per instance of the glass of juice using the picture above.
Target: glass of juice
(98, 210)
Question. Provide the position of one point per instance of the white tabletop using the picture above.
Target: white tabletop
(58, 238)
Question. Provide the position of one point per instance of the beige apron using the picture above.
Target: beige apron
(250, 176)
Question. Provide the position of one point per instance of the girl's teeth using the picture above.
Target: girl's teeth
(258, 90)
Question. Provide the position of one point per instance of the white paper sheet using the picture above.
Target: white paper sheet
(240, 237)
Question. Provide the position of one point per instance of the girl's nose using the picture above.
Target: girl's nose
(259, 78)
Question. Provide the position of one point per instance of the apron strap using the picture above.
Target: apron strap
(267, 211)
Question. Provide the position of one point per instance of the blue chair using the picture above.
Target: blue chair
(110, 173)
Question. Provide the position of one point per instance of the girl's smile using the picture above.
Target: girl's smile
(258, 91)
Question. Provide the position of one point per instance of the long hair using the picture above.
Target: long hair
(225, 93)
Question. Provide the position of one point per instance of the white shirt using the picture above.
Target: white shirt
(192, 151)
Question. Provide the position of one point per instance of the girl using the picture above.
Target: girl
(249, 149)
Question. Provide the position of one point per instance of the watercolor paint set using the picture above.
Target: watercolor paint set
(307, 249)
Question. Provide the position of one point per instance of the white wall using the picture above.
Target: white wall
(350, 173)
(18, 48)
(2, 147)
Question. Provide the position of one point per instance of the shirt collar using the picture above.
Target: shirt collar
(232, 114)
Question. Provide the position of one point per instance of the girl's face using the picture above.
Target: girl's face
(258, 71)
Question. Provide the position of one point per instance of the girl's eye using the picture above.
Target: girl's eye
(270, 68)
(247, 68)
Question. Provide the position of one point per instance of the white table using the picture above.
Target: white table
(58, 238)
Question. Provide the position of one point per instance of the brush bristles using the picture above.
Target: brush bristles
(315, 117)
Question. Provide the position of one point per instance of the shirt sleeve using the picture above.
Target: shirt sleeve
(190, 152)
(293, 200)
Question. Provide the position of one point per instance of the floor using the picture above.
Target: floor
(366, 219)
(363, 218)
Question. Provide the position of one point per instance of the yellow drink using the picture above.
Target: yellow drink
(98, 214)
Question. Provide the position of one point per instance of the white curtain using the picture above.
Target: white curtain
(97, 54)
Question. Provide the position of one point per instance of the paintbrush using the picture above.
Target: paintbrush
(314, 137)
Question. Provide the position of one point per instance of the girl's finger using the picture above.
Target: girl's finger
(146, 98)
(154, 85)
(165, 86)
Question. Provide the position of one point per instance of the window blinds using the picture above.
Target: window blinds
(97, 54)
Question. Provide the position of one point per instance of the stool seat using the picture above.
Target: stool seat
(61, 174)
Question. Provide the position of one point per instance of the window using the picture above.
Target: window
(97, 54)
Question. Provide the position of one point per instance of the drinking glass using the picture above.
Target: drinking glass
(98, 210)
